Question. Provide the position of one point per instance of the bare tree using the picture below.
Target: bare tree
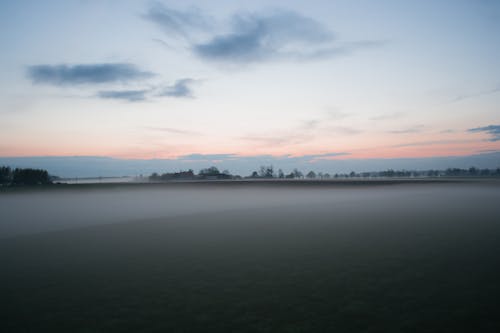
(311, 175)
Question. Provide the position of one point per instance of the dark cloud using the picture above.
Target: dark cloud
(126, 95)
(279, 34)
(175, 22)
(492, 130)
(181, 88)
(85, 73)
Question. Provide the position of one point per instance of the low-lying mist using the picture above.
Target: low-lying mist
(38, 211)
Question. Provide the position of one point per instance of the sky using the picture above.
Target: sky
(228, 80)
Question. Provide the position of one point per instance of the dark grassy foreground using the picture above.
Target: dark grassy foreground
(416, 264)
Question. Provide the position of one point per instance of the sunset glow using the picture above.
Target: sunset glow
(163, 80)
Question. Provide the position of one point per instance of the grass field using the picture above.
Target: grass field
(260, 258)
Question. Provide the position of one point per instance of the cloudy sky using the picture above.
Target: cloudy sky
(331, 79)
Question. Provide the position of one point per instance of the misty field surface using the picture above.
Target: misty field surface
(255, 257)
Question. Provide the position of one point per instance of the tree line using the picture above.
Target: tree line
(29, 176)
(204, 174)
(19, 176)
(268, 172)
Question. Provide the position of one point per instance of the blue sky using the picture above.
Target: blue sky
(165, 79)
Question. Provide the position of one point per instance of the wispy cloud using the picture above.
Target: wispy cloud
(265, 158)
(63, 74)
(448, 131)
(208, 157)
(492, 130)
(172, 130)
(285, 139)
(431, 143)
(306, 131)
(333, 113)
(328, 123)
(126, 95)
(326, 156)
(257, 37)
(181, 88)
(412, 129)
(342, 130)
(108, 73)
(475, 95)
(310, 124)
(177, 23)
(487, 151)
(388, 116)
(163, 43)
(254, 37)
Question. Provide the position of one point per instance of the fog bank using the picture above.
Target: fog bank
(38, 211)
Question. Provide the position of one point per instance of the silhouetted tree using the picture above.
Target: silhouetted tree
(30, 177)
(212, 171)
(388, 173)
(208, 173)
(5, 175)
(281, 174)
(266, 171)
(484, 172)
(432, 173)
(189, 174)
(311, 175)
(297, 174)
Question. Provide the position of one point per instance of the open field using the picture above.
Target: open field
(255, 257)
